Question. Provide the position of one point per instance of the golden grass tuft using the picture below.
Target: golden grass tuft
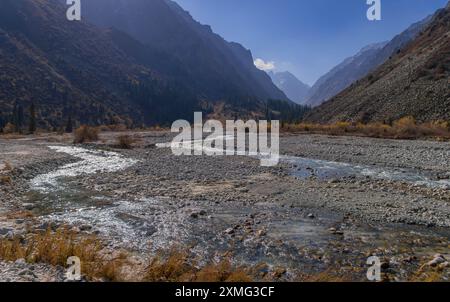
(86, 134)
(178, 267)
(5, 180)
(7, 167)
(223, 272)
(55, 248)
(426, 273)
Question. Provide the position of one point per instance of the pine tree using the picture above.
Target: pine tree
(20, 117)
(69, 127)
(32, 125)
(17, 117)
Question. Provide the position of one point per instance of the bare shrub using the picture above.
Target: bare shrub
(125, 141)
(117, 127)
(9, 128)
(178, 267)
(86, 134)
(5, 180)
(406, 127)
(7, 166)
(223, 272)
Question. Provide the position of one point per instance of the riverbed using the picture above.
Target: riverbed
(330, 202)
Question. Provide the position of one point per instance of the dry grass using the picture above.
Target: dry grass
(426, 273)
(86, 134)
(327, 276)
(7, 167)
(9, 128)
(405, 128)
(114, 127)
(179, 267)
(429, 276)
(5, 180)
(55, 248)
(19, 214)
(158, 128)
(12, 136)
(125, 141)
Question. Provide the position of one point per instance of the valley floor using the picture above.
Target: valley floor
(330, 204)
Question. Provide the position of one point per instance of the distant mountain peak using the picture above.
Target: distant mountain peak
(294, 89)
(358, 66)
(413, 81)
(372, 46)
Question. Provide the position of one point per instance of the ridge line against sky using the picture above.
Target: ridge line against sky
(306, 37)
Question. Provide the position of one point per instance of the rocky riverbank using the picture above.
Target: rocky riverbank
(328, 205)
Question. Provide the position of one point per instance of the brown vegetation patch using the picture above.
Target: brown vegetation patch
(86, 134)
(125, 141)
(179, 267)
(5, 180)
(427, 273)
(404, 128)
(56, 247)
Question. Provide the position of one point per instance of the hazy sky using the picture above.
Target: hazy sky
(306, 37)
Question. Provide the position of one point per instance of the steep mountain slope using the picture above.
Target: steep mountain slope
(65, 68)
(80, 72)
(415, 81)
(343, 75)
(358, 66)
(294, 89)
(211, 66)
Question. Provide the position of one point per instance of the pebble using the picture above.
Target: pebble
(437, 260)
(229, 231)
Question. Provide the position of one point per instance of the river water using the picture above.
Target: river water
(262, 232)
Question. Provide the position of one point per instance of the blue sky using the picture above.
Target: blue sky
(306, 37)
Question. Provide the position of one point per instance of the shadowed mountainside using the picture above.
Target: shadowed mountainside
(211, 66)
(76, 71)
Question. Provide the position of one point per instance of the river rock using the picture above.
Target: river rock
(437, 260)
(229, 231)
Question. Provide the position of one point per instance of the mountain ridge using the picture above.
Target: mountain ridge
(215, 66)
(77, 71)
(358, 66)
(294, 89)
(414, 82)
